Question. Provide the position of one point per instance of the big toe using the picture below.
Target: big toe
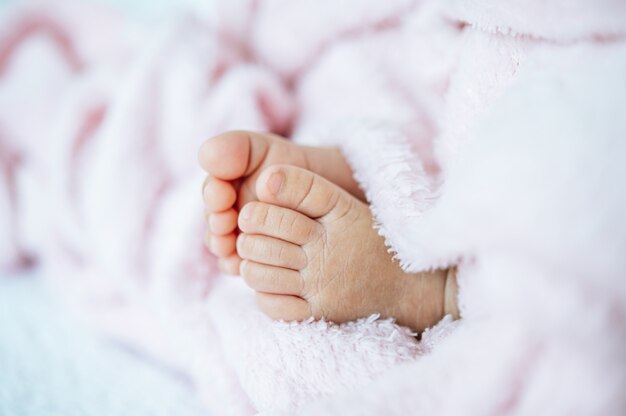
(233, 154)
(302, 190)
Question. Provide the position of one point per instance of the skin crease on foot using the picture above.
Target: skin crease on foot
(310, 249)
(234, 160)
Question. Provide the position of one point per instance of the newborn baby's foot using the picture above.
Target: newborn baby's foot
(309, 249)
(233, 162)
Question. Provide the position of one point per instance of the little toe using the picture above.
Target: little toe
(271, 251)
(222, 245)
(302, 190)
(223, 223)
(218, 195)
(278, 222)
(271, 279)
(285, 307)
(233, 154)
(230, 264)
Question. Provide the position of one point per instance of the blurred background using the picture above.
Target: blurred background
(139, 9)
(51, 364)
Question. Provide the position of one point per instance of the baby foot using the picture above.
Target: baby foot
(310, 249)
(233, 162)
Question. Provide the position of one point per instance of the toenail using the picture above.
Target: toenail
(275, 182)
(246, 212)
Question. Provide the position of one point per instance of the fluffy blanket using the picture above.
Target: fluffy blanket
(485, 133)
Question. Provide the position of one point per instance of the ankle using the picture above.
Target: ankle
(422, 299)
(450, 294)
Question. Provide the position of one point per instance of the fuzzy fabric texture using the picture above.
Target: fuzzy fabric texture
(485, 134)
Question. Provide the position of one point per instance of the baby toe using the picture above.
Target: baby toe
(303, 191)
(223, 223)
(271, 251)
(233, 154)
(225, 156)
(221, 245)
(271, 279)
(278, 222)
(218, 195)
(285, 307)
(230, 264)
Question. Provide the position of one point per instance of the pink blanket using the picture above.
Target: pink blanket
(485, 133)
